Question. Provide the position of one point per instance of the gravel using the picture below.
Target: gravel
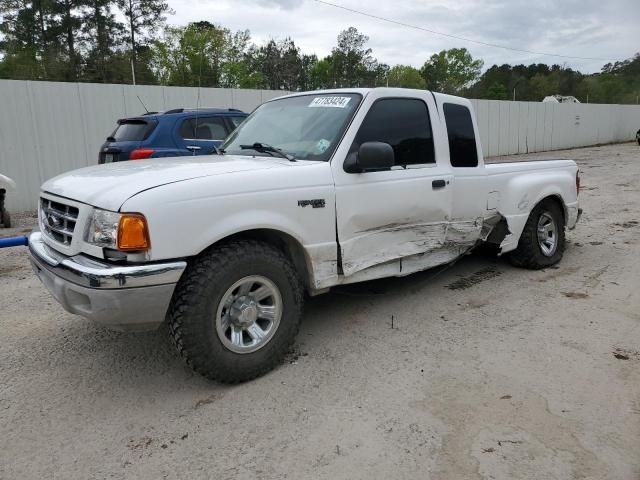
(485, 372)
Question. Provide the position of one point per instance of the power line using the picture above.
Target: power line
(495, 45)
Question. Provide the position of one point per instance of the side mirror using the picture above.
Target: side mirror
(370, 156)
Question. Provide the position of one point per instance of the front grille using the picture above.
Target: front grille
(58, 220)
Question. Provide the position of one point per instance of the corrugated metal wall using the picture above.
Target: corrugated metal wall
(523, 127)
(47, 128)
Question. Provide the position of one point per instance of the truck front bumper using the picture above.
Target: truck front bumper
(120, 297)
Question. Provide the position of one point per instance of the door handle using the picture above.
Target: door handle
(193, 148)
(438, 184)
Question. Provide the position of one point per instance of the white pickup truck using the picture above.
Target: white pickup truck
(313, 190)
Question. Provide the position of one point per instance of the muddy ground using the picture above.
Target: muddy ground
(486, 372)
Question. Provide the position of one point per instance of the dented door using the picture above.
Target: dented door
(383, 216)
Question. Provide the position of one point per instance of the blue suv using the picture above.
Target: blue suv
(173, 133)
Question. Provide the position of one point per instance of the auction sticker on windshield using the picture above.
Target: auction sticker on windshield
(335, 102)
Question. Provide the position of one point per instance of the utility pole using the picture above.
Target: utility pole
(133, 73)
(514, 94)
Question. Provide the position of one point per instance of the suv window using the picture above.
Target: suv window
(404, 124)
(235, 121)
(203, 128)
(462, 138)
(132, 130)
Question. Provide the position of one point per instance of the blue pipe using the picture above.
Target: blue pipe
(14, 241)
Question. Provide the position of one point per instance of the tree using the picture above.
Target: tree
(237, 70)
(321, 75)
(29, 31)
(204, 54)
(142, 16)
(280, 63)
(70, 25)
(18, 42)
(450, 71)
(351, 60)
(406, 76)
(497, 91)
(102, 36)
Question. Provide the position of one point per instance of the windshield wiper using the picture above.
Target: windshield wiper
(264, 147)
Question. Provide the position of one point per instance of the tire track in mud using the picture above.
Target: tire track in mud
(475, 278)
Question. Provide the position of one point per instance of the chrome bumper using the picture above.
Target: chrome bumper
(121, 297)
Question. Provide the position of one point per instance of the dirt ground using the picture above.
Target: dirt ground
(485, 372)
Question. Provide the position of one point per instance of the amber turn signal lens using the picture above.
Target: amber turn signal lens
(133, 233)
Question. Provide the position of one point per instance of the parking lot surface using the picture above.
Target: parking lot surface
(475, 371)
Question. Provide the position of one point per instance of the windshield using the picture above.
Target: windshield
(308, 127)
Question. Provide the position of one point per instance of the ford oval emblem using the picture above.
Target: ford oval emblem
(53, 221)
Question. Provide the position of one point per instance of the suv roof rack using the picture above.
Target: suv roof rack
(205, 109)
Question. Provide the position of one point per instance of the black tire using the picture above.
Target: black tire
(194, 306)
(529, 253)
(6, 219)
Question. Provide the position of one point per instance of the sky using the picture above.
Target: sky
(608, 29)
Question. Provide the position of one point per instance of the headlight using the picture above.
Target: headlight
(119, 231)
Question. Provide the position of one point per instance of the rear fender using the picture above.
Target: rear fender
(522, 193)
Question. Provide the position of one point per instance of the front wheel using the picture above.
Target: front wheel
(236, 311)
(542, 241)
(6, 218)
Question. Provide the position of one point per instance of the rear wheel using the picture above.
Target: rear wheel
(542, 241)
(236, 311)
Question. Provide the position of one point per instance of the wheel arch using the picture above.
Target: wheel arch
(516, 223)
(556, 198)
(285, 242)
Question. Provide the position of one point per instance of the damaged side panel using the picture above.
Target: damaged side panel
(424, 250)
(416, 248)
(389, 242)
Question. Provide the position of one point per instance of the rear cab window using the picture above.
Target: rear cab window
(462, 139)
(404, 124)
(133, 130)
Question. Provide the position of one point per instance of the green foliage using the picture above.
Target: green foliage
(142, 16)
(616, 83)
(279, 63)
(498, 91)
(405, 76)
(100, 41)
(190, 55)
(351, 61)
(450, 71)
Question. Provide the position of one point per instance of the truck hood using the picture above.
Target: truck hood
(109, 186)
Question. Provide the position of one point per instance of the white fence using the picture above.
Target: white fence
(524, 127)
(47, 128)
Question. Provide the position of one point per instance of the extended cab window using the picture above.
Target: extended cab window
(204, 128)
(462, 139)
(404, 124)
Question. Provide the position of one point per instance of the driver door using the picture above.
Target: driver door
(384, 216)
